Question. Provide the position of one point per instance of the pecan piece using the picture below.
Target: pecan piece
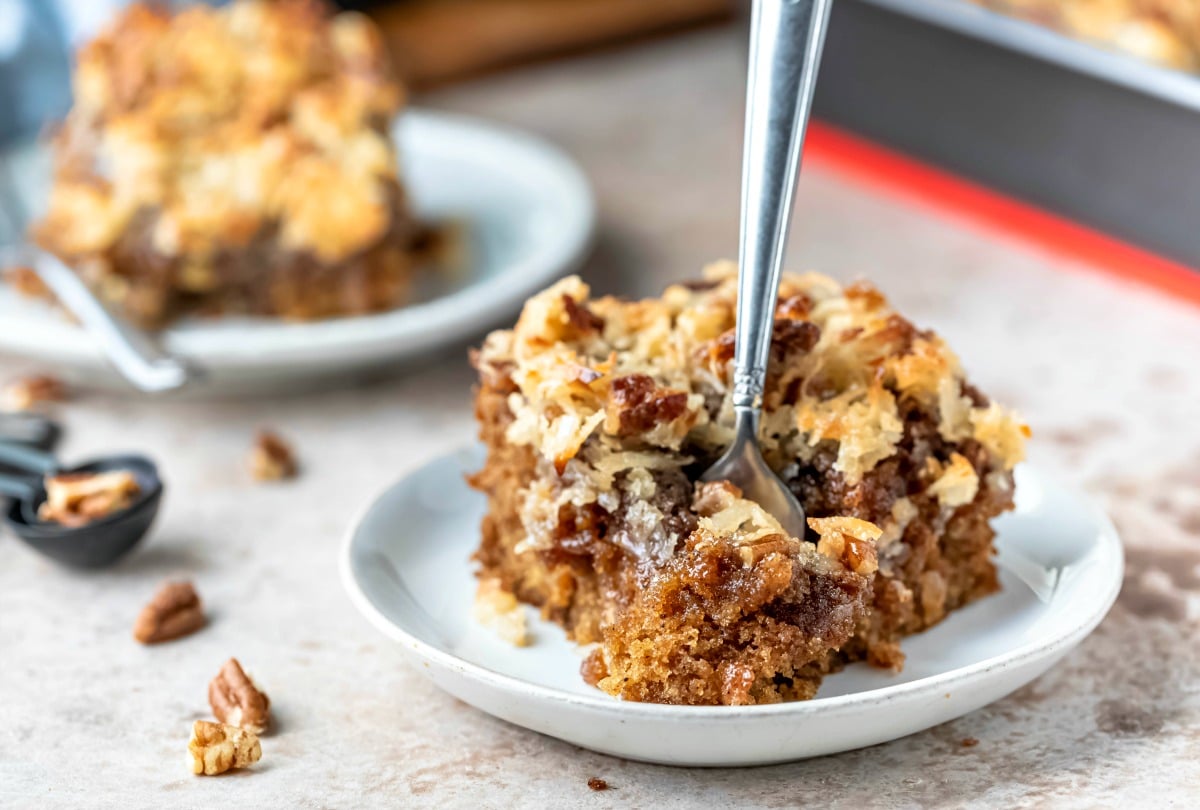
(217, 748)
(174, 611)
(638, 405)
(77, 499)
(235, 699)
(271, 458)
(581, 319)
(29, 392)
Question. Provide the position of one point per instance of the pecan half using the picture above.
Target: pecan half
(29, 392)
(217, 748)
(237, 701)
(271, 458)
(174, 611)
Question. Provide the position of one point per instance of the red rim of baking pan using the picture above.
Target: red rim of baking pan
(898, 175)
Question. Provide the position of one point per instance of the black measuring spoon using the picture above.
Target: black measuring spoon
(95, 544)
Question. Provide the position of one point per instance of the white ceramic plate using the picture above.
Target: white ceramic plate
(406, 566)
(528, 214)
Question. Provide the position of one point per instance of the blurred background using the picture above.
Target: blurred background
(1085, 107)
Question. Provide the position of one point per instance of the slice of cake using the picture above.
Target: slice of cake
(233, 159)
(599, 416)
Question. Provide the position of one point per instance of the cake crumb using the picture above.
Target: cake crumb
(499, 611)
(27, 393)
(272, 458)
(969, 742)
(597, 784)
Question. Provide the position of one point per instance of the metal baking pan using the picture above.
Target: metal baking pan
(1103, 138)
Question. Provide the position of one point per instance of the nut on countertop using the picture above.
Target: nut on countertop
(174, 611)
(271, 458)
(216, 748)
(237, 701)
(28, 392)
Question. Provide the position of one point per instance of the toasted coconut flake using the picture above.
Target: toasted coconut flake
(957, 484)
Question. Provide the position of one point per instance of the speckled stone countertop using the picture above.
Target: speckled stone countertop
(1108, 376)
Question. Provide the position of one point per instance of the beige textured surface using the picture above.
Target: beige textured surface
(1107, 375)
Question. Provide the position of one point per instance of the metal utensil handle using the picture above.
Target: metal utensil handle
(134, 354)
(13, 486)
(27, 458)
(785, 49)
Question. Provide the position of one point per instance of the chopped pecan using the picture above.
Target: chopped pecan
(792, 338)
(271, 458)
(76, 499)
(637, 405)
(174, 611)
(29, 392)
(582, 319)
(772, 544)
(789, 338)
(217, 748)
(850, 540)
(235, 699)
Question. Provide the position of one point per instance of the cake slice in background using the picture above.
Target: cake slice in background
(233, 160)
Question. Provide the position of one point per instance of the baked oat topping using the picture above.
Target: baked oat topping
(216, 748)
(225, 119)
(235, 158)
(173, 612)
(236, 701)
(77, 499)
(650, 374)
(28, 393)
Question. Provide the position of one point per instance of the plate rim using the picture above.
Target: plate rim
(376, 335)
(1032, 651)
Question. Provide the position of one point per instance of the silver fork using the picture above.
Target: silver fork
(138, 357)
(785, 49)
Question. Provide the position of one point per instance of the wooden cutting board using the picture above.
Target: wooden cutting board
(437, 41)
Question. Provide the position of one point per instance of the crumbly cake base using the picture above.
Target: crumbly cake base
(592, 589)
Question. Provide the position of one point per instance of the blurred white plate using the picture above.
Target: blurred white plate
(528, 214)
(1060, 566)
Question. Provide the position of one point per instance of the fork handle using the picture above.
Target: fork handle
(785, 49)
(138, 357)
